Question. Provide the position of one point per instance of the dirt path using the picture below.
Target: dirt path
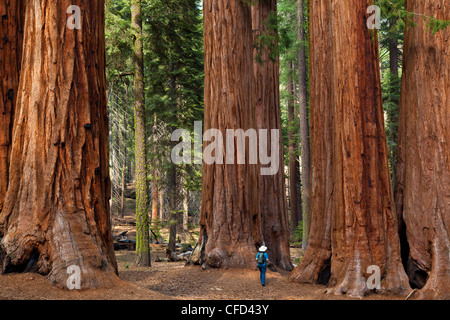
(171, 280)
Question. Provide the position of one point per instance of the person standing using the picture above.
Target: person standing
(262, 259)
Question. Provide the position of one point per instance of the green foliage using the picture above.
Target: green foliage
(395, 10)
(173, 45)
(391, 100)
(155, 227)
(289, 47)
(268, 40)
(119, 40)
(298, 234)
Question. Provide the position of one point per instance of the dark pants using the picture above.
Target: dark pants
(263, 269)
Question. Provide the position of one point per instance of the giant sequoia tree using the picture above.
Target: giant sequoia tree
(356, 226)
(273, 206)
(56, 209)
(315, 266)
(230, 219)
(423, 175)
(12, 13)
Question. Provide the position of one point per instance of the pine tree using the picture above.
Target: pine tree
(142, 204)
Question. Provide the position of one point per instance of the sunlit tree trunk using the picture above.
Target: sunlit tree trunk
(316, 263)
(230, 220)
(423, 175)
(364, 226)
(12, 13)
(56, 211)
(273, 202)
(142, 212)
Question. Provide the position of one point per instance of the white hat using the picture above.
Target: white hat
(263, 249)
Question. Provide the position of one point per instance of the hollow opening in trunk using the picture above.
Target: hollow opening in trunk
(417, 277)
(325, 273)
(1, 253)
(27, 266)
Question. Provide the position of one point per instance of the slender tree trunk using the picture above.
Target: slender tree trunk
(142, 219)
(423, 175)
(293, 166)
(273, 202)
(155, 193)
(393, 52)
(185, 205)
(12, 13)
(173, 204)
(124, 166)
(304, 123)
(172, 172)
(364, 226)
(56, 211)
(161, 203)
(155, 197)
(230, 220)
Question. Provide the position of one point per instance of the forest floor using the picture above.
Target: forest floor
(171, 280)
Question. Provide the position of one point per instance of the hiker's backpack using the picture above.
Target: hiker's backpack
(261, 258)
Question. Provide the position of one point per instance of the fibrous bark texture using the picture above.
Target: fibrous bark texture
(12, 15)
(423, 170)
(142, 212)
(315, 265)
(230, 219)
(273, 205)
(364, 226)
(56, 210)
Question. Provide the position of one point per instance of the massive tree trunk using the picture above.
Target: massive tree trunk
(423, 175)
(12, 14)
(56, 210)
(142, 213)
(273, 205)
(230, 219)
(364, 227)
(304, 123)
(315, 265)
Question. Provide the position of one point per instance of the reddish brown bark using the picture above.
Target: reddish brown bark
(12, 15)
(423, 169)
(364, 227)
(315, 265)
(56, 210)
(273, 205)
(230, 219)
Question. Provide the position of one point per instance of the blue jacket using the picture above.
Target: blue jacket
(266, 257)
